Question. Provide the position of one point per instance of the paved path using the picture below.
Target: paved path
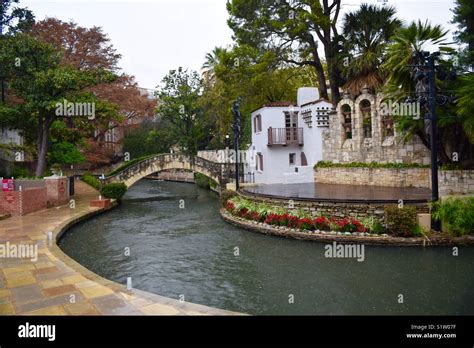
(55, 284)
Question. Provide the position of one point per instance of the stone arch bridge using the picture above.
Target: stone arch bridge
(219, 172)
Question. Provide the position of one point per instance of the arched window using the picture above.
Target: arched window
(347, 121)
(366, 114)
(387, 126)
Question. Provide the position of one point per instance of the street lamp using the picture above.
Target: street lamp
(236, 126)
(424, 75)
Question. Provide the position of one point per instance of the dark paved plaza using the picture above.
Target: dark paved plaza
(349, 193)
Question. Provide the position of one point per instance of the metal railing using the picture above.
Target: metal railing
(285, 136)
(244, 178)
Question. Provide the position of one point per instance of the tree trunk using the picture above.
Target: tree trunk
(329, 52)
(43, 132)
(323, 91)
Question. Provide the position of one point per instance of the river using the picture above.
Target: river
(181, 248)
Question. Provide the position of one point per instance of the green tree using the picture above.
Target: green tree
(179, 107)
(212, 59)
(253, 75)
(293, 29)
(148, 138)
(464, 19)
(12, 19)
(367, 31)
(407, 42)
(455, 121)
(65, 153)
(42, 82)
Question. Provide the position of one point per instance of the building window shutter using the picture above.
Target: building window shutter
(304, 161)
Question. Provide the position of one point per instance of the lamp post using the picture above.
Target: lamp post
(425, 79)
(236, 126)
(433, 130)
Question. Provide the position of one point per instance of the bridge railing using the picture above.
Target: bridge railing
(219, 170)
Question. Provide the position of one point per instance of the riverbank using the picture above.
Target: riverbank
(55, 284)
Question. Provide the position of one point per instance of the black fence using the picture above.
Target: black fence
(244, 178)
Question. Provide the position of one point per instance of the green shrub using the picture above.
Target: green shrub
(456, 215)
(401, 222)
(19, 172)
(91, 181)
(114, 191)
(203, 181)
(373, 225)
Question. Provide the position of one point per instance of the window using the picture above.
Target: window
(347, 121)
(387, 124)
(291, 126)
(292, 159)
(259, 164)
(304, 161)
(365, 111)
(291, 119)
(257, 123)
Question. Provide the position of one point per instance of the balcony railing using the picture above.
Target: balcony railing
(285, 136)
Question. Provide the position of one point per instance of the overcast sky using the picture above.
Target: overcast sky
(155, 36)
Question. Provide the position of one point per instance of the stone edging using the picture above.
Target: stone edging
(342, 238)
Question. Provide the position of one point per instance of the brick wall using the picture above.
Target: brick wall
(34, 199)
(23, 202)
(57, 190)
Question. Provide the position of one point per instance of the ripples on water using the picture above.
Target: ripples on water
(190, 252)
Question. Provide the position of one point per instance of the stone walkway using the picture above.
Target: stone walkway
(55, 284)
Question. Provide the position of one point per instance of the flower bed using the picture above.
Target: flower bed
(295, 219)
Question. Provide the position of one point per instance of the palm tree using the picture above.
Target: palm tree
(367, 32)
(407, 42)
(455, 122)
(212, 59)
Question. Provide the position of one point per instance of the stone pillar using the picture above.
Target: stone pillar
(56, 190)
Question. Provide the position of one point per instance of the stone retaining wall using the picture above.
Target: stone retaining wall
(450, 181)
(337, 209)
(328, 237)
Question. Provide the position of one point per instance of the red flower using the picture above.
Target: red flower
(321, 223)
(254, 216)
(272, 219)
(243, 212)
(305, 224)
(229, 206)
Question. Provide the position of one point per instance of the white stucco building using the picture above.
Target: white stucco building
(287, 139)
